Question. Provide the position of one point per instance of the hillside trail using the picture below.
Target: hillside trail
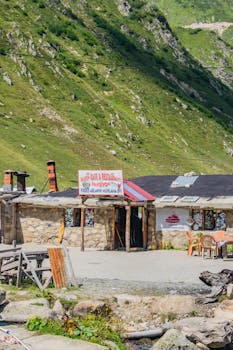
(218, 27)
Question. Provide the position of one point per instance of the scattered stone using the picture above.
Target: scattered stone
(111, 345)
(174, 340)
(2, 296)
(230, 290)
(124, 7)
(201, 346)
(58, 310)
(127, 298)
(98, 307)
(212, 332)
(7, 78)
(224, 310)
(21, 311)
(113, 152)
(23, 146)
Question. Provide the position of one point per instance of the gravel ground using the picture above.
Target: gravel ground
(146, 272)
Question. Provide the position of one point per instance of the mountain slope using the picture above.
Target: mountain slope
(106, 85)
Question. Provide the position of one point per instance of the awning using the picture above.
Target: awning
(136, 193)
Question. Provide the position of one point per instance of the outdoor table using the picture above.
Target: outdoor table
(222, 244)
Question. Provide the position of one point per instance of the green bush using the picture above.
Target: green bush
(92, 328)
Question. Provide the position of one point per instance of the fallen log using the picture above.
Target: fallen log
(151, 333)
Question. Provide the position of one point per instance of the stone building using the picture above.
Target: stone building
(108, 222)
(192, 203)
(154, 212)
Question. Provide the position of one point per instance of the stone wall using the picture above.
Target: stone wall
(177, 239)
(41, 225)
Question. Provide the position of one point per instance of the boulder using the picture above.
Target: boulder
(212, 332)
(85, 307)
(21, 311)
(175, 340)
(224, 310)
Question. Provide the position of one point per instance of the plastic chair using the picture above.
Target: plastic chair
(209, 244)
(193, 243)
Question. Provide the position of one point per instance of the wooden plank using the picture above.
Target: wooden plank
(29, 266)
(61, 231)
(69, 268)
(47, 281)
(19, 271)
(127, 229)
(57, 264)
(82, 227)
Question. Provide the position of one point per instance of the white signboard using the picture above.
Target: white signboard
(100, 182)
(172, 218)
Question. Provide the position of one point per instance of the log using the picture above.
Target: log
(151, 333)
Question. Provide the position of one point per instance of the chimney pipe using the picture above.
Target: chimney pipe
(21, 180)
(52, 177)
(8, 180)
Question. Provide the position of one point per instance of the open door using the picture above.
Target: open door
(136, 231)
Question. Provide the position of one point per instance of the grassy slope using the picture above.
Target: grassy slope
(116, 83)
(183, 12)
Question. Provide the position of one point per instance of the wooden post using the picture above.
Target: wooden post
(13, 227)
(113, 229)
(144, 227)
(2, 221)
(82, 227)
(153, 230)
(127, 228)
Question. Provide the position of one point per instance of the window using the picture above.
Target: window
(73, 217)
(197, 220)
(89, 217)
(208, 220)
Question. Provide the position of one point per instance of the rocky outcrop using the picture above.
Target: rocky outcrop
(212, 332)
(174, 340)
(224, 310)
(21, 311)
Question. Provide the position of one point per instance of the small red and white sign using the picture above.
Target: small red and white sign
(170, 218)
(100, 183)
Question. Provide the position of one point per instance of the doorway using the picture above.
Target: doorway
(136, 234)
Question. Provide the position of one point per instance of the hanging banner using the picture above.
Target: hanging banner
(100, 182)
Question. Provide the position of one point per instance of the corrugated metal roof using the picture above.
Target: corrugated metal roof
(136, 193)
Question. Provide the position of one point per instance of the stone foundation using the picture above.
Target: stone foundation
(178, 240)
(41, 225)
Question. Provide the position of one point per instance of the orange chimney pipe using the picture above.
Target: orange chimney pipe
(8, 180)
(52, 177)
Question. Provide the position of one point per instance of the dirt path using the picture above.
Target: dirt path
(218, 27)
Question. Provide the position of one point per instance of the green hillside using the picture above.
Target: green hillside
(101, 84)
(183, 12)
